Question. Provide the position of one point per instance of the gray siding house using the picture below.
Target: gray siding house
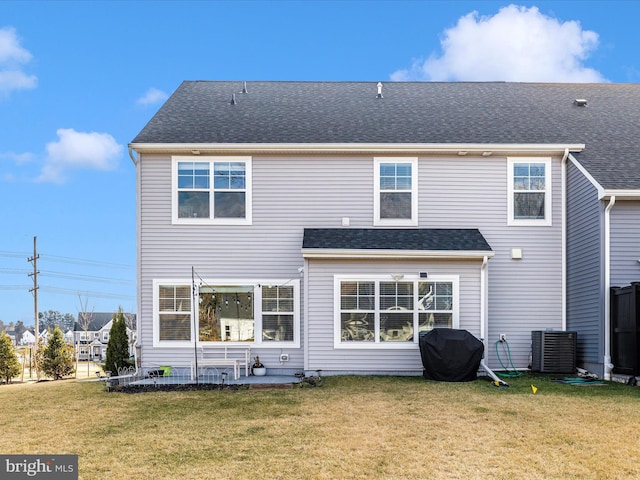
(325, 225)
(90, 334)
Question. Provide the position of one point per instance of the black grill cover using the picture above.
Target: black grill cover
(450, 355)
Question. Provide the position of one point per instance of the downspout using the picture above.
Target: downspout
(564, 238)
(483, 301)
(483, 322)
(305, 320)
(608, 366)
(138, 345)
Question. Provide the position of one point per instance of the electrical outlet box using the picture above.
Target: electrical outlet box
(284, 357)
(503, 337)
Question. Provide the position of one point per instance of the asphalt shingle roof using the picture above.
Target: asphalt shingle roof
(417, 239)
(97, 320)
(201, 112)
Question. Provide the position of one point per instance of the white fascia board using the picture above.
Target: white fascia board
(625, 194)
(487, 149)
(587, 175)
(383, 254)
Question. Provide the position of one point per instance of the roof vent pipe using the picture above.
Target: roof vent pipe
(379, 95)
(244, 88)
(233, 99)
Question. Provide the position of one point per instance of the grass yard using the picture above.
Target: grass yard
(351, 428)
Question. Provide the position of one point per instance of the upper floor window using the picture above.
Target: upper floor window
(396, 192)
(212, 190)
(529, 191)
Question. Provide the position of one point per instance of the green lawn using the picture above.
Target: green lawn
(350, 428)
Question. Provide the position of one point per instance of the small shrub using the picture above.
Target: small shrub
(57, 357)
(118, 346)
(9, 364)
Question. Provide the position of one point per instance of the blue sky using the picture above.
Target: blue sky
(78, 81)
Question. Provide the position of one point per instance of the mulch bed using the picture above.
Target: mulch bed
(177, 387)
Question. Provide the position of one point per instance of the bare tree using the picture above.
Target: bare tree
(85, 317)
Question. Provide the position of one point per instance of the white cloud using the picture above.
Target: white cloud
(517, 44)
(152, 96)
(12, 57)
(79, 150)
(18, 158)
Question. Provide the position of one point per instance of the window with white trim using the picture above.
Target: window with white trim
(376, 311)
(174, 313)
(529, 191)
(278, 313)
(212, 190)
(265, 313)
(395, 191)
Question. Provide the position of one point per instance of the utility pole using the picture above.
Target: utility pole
(34, 260)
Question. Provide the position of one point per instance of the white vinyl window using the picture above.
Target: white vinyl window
(174, 313)
(380, 312)
(212, 190)
(239, 312)
(529, 199)
(395, 191)
(278, 313)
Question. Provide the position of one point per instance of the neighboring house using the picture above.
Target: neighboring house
(326, 224)
(11, 334)
(91, 334)
(28, 338)
(69, 337)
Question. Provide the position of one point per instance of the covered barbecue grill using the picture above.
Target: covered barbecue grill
(450, 355)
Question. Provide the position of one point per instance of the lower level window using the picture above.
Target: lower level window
(174, 312)
(277, 313)
(225, 314)
(243, 313)
(382, 311)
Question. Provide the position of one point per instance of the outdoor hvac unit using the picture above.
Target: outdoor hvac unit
(553, 352)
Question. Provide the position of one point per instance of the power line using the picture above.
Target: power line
(14, 254)
(13, 271)
(87, 278)
(63, 259)
(69, 291)
(69, 276)
(81, 261)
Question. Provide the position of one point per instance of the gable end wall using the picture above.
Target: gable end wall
(585, 282)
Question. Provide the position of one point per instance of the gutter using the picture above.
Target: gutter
(461, 149)
(132, 155)
(608, 366)
(383, 253)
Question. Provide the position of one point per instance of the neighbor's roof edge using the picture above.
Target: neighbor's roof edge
(388, 253)
(457, 148)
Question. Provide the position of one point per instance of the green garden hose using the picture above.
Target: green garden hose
(507, 373)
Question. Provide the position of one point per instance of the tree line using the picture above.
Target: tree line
(47, 321)
(55, 359)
